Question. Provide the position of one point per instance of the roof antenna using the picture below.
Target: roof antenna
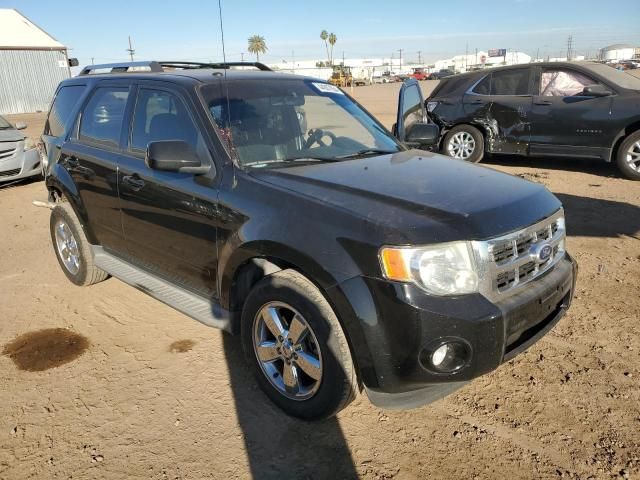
(226, 85)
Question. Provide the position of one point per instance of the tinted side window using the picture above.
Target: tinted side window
(510, 82)
(102, 117)
(63, 105)
(411, 107)
(563, 83)
(160, 115)
(484, 86)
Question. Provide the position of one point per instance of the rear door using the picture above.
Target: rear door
(564, 122)
(91, 157)
(508, 125)
(169, 218)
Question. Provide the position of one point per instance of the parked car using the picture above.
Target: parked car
(441, 74)
(384, 77)
(19, 156)
(274, 206)
(419, 74)
(572, 109)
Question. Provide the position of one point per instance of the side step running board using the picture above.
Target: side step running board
(196, 306)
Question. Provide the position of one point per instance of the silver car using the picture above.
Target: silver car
(19, 157)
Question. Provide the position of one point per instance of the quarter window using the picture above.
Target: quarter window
(563, 83)
(62, 107)
(510, 82)
(160, 115)
(484, 86)
(102, 117)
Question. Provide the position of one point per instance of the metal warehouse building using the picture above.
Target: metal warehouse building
(32, 63)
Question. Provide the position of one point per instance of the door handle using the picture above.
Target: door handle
(134, 182)
(477, 102)
(542, 102)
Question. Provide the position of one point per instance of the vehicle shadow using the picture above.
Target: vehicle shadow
(279, 446)
(596, 217)
(584, 165)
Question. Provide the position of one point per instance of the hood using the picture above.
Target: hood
(412, 191)
(11, 135)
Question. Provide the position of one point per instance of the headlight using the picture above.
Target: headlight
(431, 106)
(442, 269)
(29, 144)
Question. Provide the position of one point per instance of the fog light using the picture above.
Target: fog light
(439, 355)
(447, 355)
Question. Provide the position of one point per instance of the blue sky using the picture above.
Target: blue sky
(189, 30)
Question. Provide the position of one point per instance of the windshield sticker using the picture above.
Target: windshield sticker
(327, 88)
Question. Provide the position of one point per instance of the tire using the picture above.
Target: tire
(462, 135)
(286, 294)
(72, 248)
(628, 156)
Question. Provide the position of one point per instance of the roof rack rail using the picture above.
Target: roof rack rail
(153, 66)
(222, 65)
(123, 67)
(225, 65)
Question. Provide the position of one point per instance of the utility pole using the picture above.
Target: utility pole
(92, 61)
(569, 47)
(130, 49)
(400, 67)
(242, 56)
(293, 61)
(420, 57)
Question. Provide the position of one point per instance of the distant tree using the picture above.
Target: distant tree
(332, 41)
(257, 45)
(323, 36)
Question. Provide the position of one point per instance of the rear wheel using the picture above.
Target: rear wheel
(464, 142)
(296, 348)
(72, 248)
(628, 156)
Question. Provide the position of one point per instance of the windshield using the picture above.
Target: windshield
(280, 121)
(623, 79)
(4, 124)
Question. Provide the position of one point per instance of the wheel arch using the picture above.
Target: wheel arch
(621, 136)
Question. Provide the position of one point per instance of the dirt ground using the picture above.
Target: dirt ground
(109, 383)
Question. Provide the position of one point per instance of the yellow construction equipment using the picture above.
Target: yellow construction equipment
(341, 76)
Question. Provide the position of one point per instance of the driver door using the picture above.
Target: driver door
(411, 109)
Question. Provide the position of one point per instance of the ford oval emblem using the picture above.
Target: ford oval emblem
(545, 252)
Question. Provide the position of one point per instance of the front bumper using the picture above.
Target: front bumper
(23, 164)
(398, 323)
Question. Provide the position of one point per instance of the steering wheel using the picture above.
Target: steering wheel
(316, 136)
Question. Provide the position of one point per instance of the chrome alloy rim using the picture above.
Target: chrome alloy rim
(633, 156)
(67, 247)
(287, 351)
(461, 145)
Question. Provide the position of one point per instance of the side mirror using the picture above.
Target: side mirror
(20, 125)
(174, 156)
(596, 91)
(423, 134)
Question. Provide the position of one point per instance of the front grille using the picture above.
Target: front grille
(6, 153)
(519, 257)
(10, 173)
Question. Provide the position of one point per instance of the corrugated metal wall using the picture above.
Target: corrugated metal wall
(28, 79)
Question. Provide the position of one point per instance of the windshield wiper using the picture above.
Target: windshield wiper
(366, 151)
(313, 159)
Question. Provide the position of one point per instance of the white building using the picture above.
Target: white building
(464, 63)
(32, 63)
(619, 52)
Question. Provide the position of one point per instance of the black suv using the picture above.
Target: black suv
(275, 206)
(571, 109)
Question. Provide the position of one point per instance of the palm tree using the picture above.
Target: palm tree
(332, 41)
(323, 36)
(257, 45)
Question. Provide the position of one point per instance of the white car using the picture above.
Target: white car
(19, 156)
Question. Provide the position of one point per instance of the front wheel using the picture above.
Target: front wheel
(464, 142)
(296, 348)
(628, 156)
